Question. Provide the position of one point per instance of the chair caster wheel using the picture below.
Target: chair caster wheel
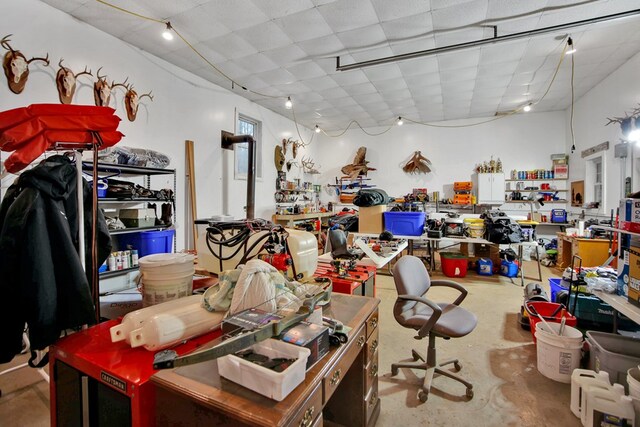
(423, 396)
(457, 366)
(470, 393)
(394, 371)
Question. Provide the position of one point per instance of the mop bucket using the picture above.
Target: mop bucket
(558, 355)
(550, 311)
(164, 277)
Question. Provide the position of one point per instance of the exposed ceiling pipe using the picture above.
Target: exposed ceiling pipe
(482, 42)
(228, 139)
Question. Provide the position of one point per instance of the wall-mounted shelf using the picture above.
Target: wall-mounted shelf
(538, 180)
(533, 201)
(106, 274)
(539, 191)
(136, 229)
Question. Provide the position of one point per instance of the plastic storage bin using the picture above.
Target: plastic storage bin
(454, 264)
(613, 353)
(405, 223)
(148, 242)
(275, 385)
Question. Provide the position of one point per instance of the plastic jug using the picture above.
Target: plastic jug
(609, 407)
(590, 385)
(577, 383)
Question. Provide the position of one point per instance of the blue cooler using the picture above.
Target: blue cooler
(485, 267)
(558, 215)
(508, 268)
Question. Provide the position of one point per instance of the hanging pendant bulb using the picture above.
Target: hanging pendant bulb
(570, 48)
(399, 122)
(288, 105)
(167, 34)
(317, 129)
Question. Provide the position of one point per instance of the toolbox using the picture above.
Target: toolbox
(558, 215)
(358, 281)
(462, 186)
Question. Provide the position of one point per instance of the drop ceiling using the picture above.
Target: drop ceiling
(289, 47)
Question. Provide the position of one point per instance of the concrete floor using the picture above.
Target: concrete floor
(498, 357)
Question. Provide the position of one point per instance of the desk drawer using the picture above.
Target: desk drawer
(308, 415)
(332, 379)
(372, 323)
(371, 402)
(371, 372)
(372, 346)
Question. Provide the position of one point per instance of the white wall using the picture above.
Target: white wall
(615, 95)
(185, 106)
(522, 142)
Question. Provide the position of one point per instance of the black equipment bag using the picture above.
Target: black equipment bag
(501, 229)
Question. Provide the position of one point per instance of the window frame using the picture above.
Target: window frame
(257, 136)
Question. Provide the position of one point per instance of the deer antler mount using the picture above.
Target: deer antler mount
(417, 164)
(16, 66)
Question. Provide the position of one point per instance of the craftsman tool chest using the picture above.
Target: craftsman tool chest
(360, 280)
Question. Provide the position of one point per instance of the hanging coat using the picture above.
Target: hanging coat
(42, 282)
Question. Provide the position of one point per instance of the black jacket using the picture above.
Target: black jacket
(41, 278)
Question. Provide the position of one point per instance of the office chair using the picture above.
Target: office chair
(412, 310)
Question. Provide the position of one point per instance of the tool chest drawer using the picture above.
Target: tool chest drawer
(372, 401)
(372, 323)
(372, 346)
(308, 415)
(371, 372)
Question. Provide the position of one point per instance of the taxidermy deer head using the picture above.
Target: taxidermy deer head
(285, 144)
(296, 145)
(102, 89)
(290, 164)
(309, 166)
(66, 82)
(16, 66)
(131, 102)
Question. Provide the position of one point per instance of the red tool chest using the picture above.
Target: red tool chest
(359, 281)
(98, 382)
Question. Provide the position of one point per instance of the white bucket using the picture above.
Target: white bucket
(166, 277)
(476, 231)
(633, 379)
(558, 356)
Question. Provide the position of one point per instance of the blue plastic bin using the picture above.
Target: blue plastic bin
(147, 242)
(404, 223)
(508, 268)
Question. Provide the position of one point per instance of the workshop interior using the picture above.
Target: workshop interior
(307, 213)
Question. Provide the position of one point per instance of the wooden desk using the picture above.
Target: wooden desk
(593, 252)
(342, 387)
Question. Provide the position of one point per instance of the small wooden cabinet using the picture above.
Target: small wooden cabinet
(594, 252)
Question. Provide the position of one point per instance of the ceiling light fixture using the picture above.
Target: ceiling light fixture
(571, 49)
(482, 42)
(167, 34)
(288, 105)
(527, 108)
(399, 122)
(631, 128)
(317, 129)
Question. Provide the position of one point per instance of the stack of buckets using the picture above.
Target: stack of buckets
(164, 277)
(475, 227)
(558, 355)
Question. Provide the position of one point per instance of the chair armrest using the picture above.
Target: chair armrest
(454, 285)
(437, 312)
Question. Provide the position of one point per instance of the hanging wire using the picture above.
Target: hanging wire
(573, 138)
(352, 122)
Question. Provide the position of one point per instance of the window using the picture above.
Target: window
(597, 181)
(247, 126)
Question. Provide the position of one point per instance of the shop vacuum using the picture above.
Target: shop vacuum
(532, 292)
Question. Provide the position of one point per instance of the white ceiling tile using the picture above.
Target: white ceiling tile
(346, 78)
(320, 84)
(503, 52)
(361, 89)
(235, 14)
(419, 66)
(368, 98)
(306, 70)
(459, 75)
(458, 60)
(363, 38)
(279, 8)
(423, 80)
(373, 53)
(342, 102)
(233, 69)
(458, 87)
(287, 55)
(458, 16)
(231, 46)
(265, 36)
(390, 10)
(323, 46)
(308, 98)
(335, 93)
(195, 25)
(414, 25)
(279, 76)
(383, 72)
(501, 9)
(257, 63)
(305, 25)
(449, 38)
(112, 21)
(348, 15)
(426, 91)
(390, 85)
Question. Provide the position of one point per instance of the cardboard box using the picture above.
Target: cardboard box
(370, 220)
(137, 217)
(311, 336)
(634, 276)
(560, 171)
